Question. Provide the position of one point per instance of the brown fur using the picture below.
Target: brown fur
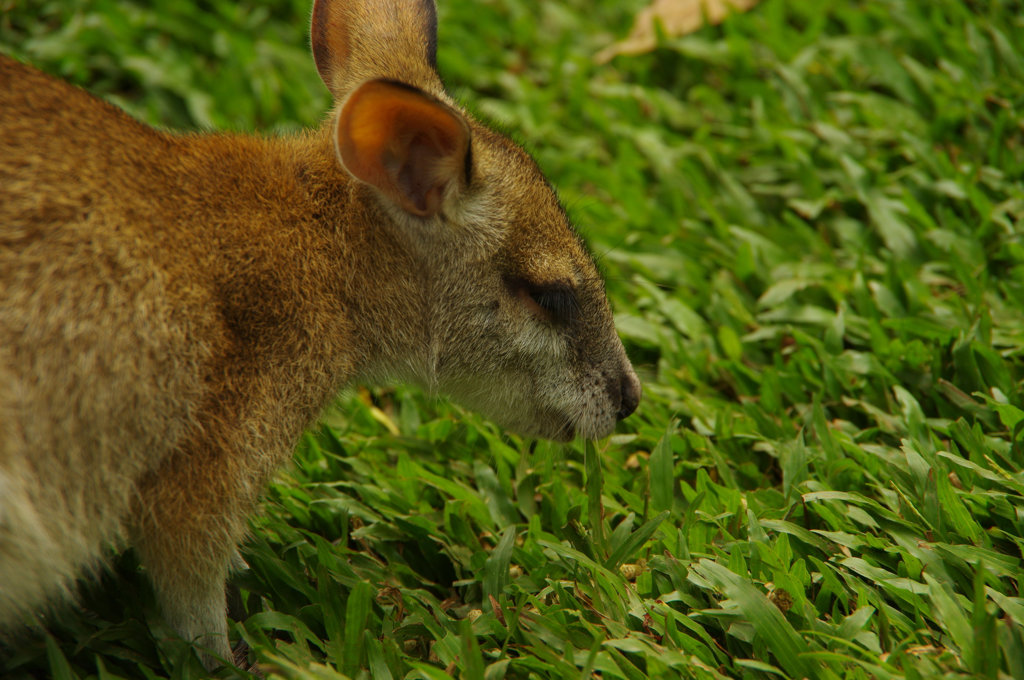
(174, 310)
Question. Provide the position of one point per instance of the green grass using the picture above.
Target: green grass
(810, 218)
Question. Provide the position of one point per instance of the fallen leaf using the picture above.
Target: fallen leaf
(677, 17)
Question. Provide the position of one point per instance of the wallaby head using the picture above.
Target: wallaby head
(175, 309)
(519, 324)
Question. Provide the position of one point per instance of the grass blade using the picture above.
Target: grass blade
(662, 478)
(781, 640)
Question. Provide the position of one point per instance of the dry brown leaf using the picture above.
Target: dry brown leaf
(677, 17)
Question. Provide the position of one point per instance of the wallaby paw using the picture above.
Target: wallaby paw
(240, 656)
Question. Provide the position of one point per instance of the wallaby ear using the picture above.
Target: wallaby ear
(358, 40)
(412, 147)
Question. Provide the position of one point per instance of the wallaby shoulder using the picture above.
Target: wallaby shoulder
(200, 223)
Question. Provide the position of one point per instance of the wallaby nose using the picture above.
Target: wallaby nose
(631, 390)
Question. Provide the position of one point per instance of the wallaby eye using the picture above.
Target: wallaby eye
(559, 303)
(555, 303)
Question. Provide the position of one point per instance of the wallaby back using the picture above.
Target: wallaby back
(175, 309)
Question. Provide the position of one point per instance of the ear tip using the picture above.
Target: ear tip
(377, 30)
(327, 41)
(431, 30)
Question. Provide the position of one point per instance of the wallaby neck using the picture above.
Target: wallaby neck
(304, 263)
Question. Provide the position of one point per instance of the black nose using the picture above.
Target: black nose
(630, 387)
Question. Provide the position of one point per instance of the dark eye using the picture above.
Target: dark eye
(554, 303)
(559, 303)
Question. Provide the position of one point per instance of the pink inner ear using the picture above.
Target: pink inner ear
(413, 180)
(404, 142)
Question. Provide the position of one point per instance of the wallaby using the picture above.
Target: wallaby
(176, 309)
